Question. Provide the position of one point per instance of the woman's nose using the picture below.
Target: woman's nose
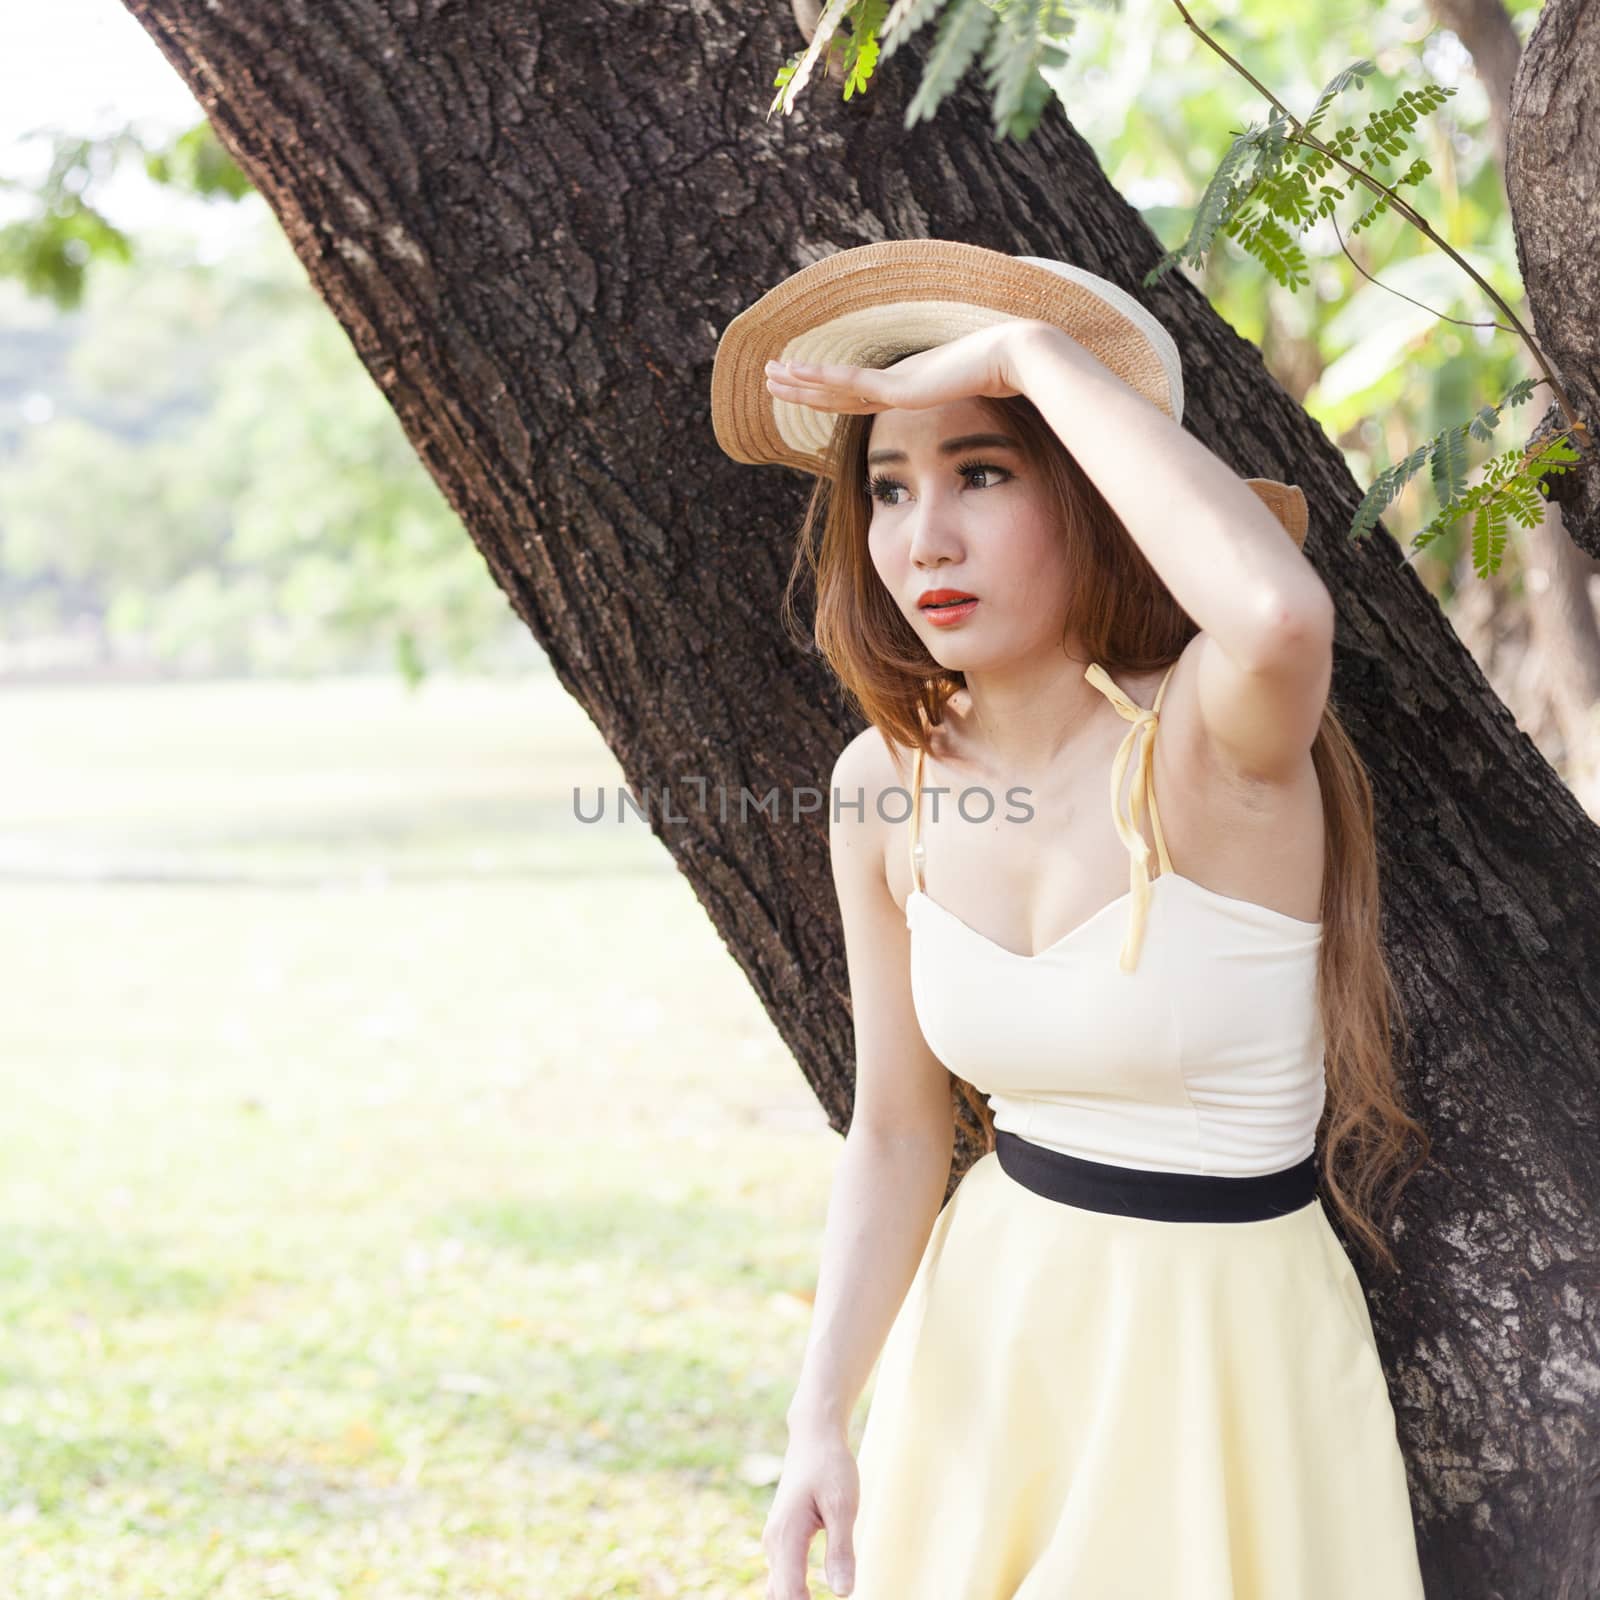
(931, 539)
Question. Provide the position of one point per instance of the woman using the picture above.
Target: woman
(1129, 1359)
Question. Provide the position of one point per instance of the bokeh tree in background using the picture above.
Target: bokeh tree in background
(219, 488)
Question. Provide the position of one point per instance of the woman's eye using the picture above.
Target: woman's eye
(879, 485)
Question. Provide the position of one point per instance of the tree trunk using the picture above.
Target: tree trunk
(1551, 676)
(534, 222)
(1552, 148)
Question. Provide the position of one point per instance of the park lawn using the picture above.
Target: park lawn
(399, 1196)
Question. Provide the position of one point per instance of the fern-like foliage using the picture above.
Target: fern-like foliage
(796, 72)
(1512, 484)
(905, 17)
(963, 31)
(1017, 40)
(1224, 195)
(1281, 191)
(861, 54)
(1335, 86)
(1270, 243)
(1031, 36)
(858, 54)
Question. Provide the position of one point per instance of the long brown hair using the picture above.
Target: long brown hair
(1128, 619)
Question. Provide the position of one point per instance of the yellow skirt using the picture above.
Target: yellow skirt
(1075, 1404)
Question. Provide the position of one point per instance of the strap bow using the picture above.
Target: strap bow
(1131, 832)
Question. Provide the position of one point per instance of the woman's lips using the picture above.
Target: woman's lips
(945, 616)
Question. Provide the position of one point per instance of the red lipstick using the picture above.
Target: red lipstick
(946, 606)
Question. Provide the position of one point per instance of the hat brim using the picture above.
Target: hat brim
(873, 304)
(1287, 502)
(869, 306)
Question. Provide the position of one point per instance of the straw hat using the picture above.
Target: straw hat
(869, 306)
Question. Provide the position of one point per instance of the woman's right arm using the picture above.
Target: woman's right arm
(887, 1189)
(892, 1173)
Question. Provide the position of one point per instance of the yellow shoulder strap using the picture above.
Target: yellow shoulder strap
(1129, 829)
(918, 849)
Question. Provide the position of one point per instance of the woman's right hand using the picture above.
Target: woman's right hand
(819, 1487)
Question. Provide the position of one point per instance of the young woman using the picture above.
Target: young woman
(1129, 1359)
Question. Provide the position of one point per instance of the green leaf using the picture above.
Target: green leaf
(1021, 45)
(1449, 464)
(832, 15)
(905, 17)
(1483, 425)
(1355, 73)
(1512, 485)
(1385, 488)
(963, 31)
(861, 55)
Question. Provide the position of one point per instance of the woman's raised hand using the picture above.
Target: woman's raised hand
(982, 362)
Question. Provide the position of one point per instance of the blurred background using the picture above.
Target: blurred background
(402, 1193)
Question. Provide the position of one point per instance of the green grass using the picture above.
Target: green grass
(401, 1192)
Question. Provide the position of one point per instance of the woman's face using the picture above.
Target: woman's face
(954, 509)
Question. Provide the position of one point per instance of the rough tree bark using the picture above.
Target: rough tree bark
(1552, 161)
(1553, 616)
(534, 221)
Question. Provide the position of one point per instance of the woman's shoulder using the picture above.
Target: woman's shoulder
(863, 773)
(872, 761)
(875, 757)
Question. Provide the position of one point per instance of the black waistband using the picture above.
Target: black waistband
(1161, 1196)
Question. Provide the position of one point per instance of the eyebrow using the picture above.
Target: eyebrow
(967, 441)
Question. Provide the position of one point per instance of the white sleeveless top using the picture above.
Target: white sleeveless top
(1195, 1046)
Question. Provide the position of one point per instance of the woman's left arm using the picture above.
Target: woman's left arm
(1266, 612)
